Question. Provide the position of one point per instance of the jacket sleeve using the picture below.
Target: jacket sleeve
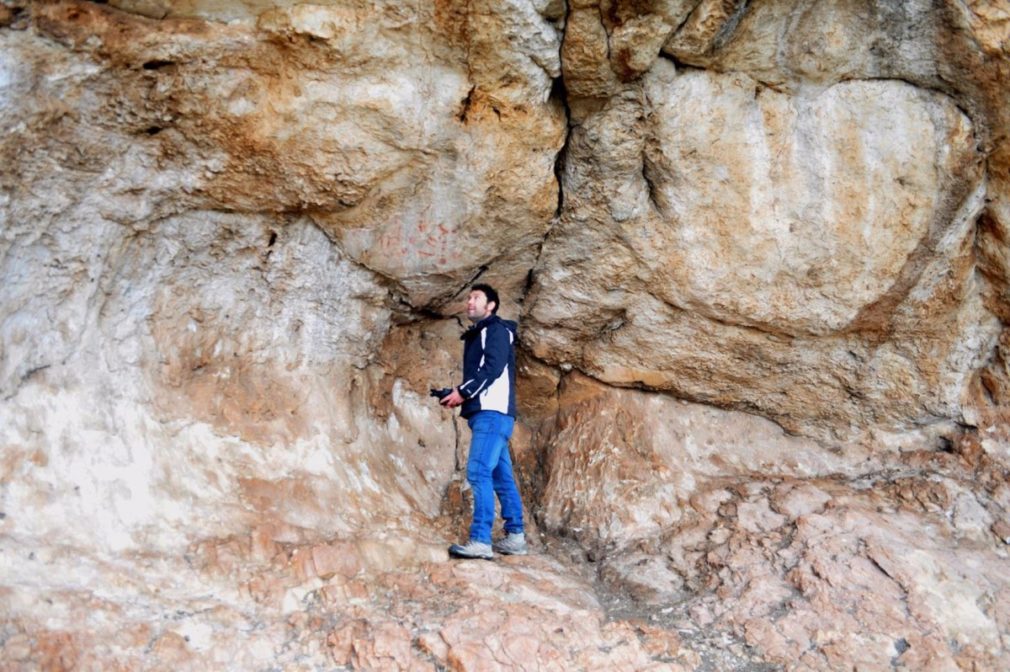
(496, 355)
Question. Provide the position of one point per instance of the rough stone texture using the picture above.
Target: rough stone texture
(390, 607)
(824, 562)
(775, 237)
(374, 121)
(623, 465)
(234, 240)
(183, 249)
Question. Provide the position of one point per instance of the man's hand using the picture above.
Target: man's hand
(453, 399)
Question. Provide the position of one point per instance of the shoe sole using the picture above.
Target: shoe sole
(504, 552)
(464, 556)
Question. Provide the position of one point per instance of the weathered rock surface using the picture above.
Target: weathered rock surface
(758, 251)
(623, 465)
(771, 235)
(184, 250)
(821, 562)
(407, 137)
(252, 601)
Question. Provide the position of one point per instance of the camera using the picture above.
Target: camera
(441, 393)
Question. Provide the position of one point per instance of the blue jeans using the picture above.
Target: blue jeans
(489, 471)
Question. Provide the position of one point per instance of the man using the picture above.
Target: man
(488, 398)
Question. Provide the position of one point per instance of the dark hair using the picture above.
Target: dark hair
(489, 293)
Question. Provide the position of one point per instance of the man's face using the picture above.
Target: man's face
(477, 307)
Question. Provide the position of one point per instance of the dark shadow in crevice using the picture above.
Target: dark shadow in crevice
(157, 64)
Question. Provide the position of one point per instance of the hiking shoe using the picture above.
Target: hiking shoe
(471, 549)
(512, 544)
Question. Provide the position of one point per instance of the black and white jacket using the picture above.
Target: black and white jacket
(489, 367)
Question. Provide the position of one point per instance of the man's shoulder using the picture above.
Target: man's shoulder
(494, 323)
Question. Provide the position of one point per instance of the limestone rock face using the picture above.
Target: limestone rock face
(374, 122)
(188, 263)
(624, 466)
(759, 256)
(821, 562)
(771, 235)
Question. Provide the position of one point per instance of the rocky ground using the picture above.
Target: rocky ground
(902, 568)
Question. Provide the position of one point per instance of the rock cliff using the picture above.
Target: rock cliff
(760, 257)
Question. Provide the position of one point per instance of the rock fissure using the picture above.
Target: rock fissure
(730, 25)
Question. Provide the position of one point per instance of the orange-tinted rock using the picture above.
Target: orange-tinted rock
(234, 240)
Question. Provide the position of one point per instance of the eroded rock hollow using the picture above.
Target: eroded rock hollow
(759, 253)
